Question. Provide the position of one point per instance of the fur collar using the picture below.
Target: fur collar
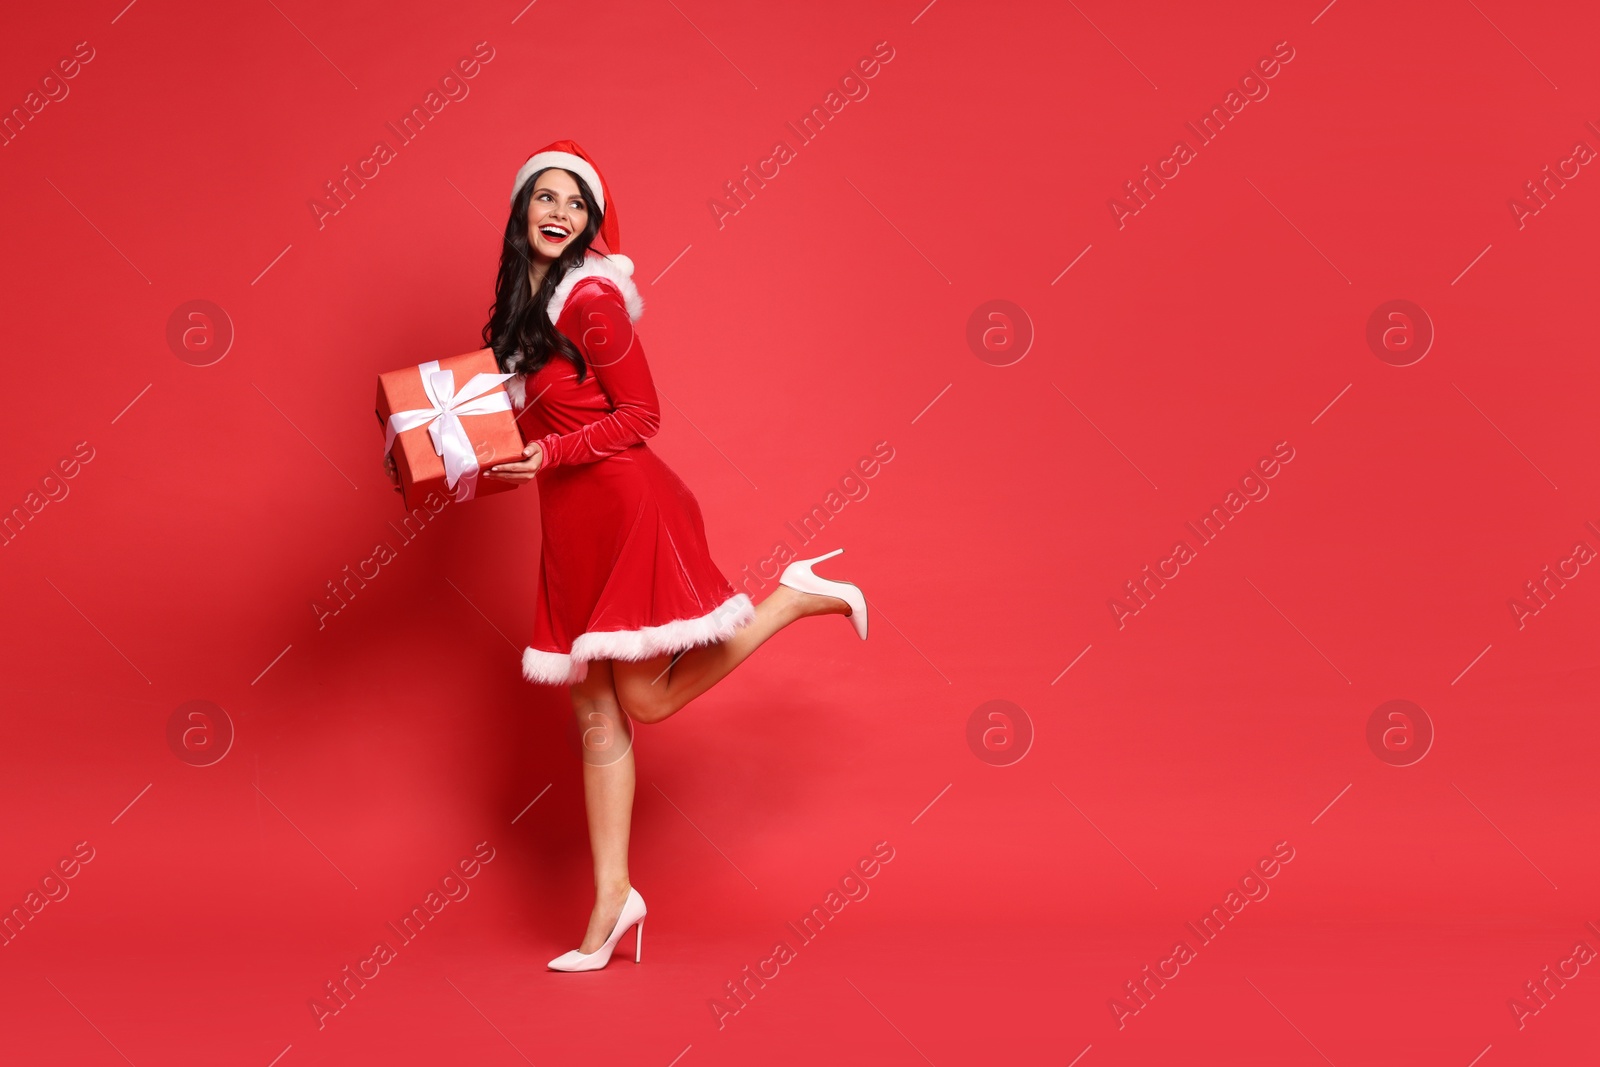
(616, 269)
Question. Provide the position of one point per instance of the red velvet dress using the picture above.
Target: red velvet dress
(624, 571)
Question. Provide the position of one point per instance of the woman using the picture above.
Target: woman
(631, 613)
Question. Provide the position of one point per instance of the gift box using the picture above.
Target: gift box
(445, 421)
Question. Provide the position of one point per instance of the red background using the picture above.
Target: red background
(830, 313)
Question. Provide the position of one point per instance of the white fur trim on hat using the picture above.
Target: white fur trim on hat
(566, 161)
(555, 668)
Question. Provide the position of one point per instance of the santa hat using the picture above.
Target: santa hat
(568, 156)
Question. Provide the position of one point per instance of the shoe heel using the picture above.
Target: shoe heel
(638, 940)
(798, 575)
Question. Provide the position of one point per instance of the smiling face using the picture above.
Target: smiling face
(557, 213)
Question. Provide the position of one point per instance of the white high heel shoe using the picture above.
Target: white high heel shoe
(797, 575)
(633, 913)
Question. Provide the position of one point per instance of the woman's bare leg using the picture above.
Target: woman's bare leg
(652, 689)
(606, 741)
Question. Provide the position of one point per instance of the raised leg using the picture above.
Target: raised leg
(606, 740)
(652, 689)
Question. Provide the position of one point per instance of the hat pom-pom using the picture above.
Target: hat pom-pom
(624, 264)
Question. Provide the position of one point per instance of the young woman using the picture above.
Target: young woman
(631, 612)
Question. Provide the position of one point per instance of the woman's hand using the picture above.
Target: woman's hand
(389, 469)
(522, 471)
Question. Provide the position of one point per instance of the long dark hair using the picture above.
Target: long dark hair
(520, 332)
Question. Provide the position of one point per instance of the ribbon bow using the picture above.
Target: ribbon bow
(443, 420)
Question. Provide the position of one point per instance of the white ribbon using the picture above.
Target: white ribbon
(450, 440)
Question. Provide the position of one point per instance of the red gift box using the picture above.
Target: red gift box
(445, 421)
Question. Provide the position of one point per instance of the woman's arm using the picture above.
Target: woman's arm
(613, 354)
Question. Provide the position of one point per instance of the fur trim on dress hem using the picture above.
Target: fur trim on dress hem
(555, 668)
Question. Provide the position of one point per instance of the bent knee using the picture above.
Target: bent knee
(647, 713)
(642, 705)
